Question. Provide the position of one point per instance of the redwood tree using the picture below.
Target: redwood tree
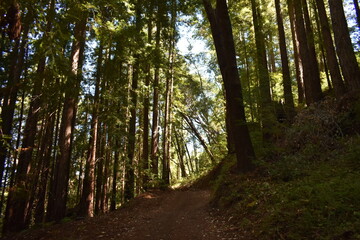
(221, 30)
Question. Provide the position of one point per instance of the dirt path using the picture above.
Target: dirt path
(170, 215)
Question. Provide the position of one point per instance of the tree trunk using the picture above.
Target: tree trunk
(180, 155)
(289, 99)
(225, 50)
(10, 95)
(146, 107)
(331, 58)
(155, 116)
(20, 195)
(344, 48)
(100, 169)
(198, 136)
(357, 10)
(323, 61)
(86, 206)
(309, 73)
(315, 73)
(62, 167)
(129, 168)
(115, 177)
(266, 110)
(45, 156)
(298, 65)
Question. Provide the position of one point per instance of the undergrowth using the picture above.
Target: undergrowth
(311, 190)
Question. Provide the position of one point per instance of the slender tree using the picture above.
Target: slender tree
(155, 109)
(289, 99)
(266, 109)
(86, 206)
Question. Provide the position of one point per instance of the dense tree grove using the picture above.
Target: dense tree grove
(98, 104)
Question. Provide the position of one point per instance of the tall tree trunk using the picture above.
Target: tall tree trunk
(169, 95)
(129, 168)
(289, 99)
(297, 59)
(315, 73)
(323, 61)
(19, 196)
(100, 170)
(10, 95)
(104, 190)
(266, 109)
(86, 206)
(331, 58)
(46, 147)
(62, 168)
(344, 49)
(225, 50)
(248, 79)
(115, 177)
(309, 73)
(146, 106)
(52, 185)
(155, 115)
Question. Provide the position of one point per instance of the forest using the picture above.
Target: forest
(256, 101)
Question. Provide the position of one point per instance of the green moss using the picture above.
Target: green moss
(310, 194)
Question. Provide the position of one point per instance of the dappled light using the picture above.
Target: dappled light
(172, 119)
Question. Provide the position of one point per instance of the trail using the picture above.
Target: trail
(157, 215)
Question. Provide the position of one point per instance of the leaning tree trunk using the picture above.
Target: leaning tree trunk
(344, 49)
(225, 50)
(331, 58)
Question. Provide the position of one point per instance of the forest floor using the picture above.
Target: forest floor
(167, 215)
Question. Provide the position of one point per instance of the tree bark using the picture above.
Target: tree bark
(11, 93)
(155, 116)
(298, 65)
(344, 48)
(311, 77)
(331, 58)
(129, 168)
(315, 73)
(289, 99)
(62, 167)
(45, 159)
(266, 110)
(146, 107)
(115, 177)
(86, 206)
(357, 11)
(225, 50)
